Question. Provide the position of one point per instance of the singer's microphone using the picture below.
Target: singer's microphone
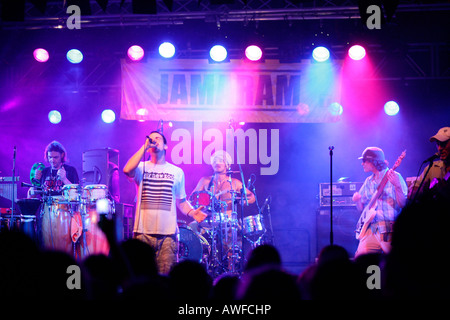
(266, 202)
(432, 158)
(250, 181)
(150, 140)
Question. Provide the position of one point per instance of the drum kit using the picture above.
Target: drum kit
(66, 222)
(218, 241)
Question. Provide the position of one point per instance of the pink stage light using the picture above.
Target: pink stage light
(41, 55)
(135, 53)
(253, 53)
(356, 52)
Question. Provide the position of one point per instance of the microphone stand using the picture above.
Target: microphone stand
(244, 196)
(270, 221)
(331, 148)
(423, 180)
(13, 197)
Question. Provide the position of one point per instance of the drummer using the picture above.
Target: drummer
(221, 184)
(59, 173)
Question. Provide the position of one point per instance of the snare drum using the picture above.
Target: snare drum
(94, 192)
(191, 245)
(253, 226)
(203, 198)
(71, 192)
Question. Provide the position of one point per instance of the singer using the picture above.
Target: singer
(161, 190)
(58, 174)
(437, 171)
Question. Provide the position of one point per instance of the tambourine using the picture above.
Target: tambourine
(37, 166)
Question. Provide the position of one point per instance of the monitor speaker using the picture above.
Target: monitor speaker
(101, 166)
(344, 223)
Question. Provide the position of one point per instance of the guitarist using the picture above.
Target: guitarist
(437, 171)
(388, 205)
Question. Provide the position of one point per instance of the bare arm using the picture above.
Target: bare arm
(186, 208)
(133, 162)
(357, 199)
(399, 185)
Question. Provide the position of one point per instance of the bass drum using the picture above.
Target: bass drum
(192, 246)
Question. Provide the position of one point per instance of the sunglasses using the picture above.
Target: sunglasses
(442, 144)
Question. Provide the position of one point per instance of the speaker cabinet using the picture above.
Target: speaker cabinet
(101, 166)
(124, 220)
(344, 222)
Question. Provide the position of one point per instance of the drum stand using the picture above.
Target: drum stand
(83, 214)
(235, 257)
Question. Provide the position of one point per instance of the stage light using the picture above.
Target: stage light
(103, 206)
(336, 109)
(391, 108)
(218, 53)
(108, 116)
(135, 53)
(321, 54)
(74, 56)
(141, 113)
(54, 116)
(41, 55)
(166, 50)
(303, 109)
(356, 52)
(253, 53)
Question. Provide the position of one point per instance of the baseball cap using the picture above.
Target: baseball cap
(442, 135)
(372, 153)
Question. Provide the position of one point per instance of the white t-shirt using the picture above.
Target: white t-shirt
(159, 187)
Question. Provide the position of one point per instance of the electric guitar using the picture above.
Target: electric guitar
(370, 211)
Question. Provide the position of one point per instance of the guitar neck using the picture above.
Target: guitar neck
(379, 191)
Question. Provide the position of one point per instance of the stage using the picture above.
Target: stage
(276, 116)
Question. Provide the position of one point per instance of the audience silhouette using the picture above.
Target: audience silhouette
(412, 270)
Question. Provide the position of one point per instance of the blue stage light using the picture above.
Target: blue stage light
(321, 54)
(74, 56)
(218, 53)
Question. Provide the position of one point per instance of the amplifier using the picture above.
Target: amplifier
(342, 193)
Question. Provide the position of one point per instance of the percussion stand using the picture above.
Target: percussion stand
(220, 229)
(234, 228)
(331, 148)
(83, 215)
(13, 197)
(216, 250)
